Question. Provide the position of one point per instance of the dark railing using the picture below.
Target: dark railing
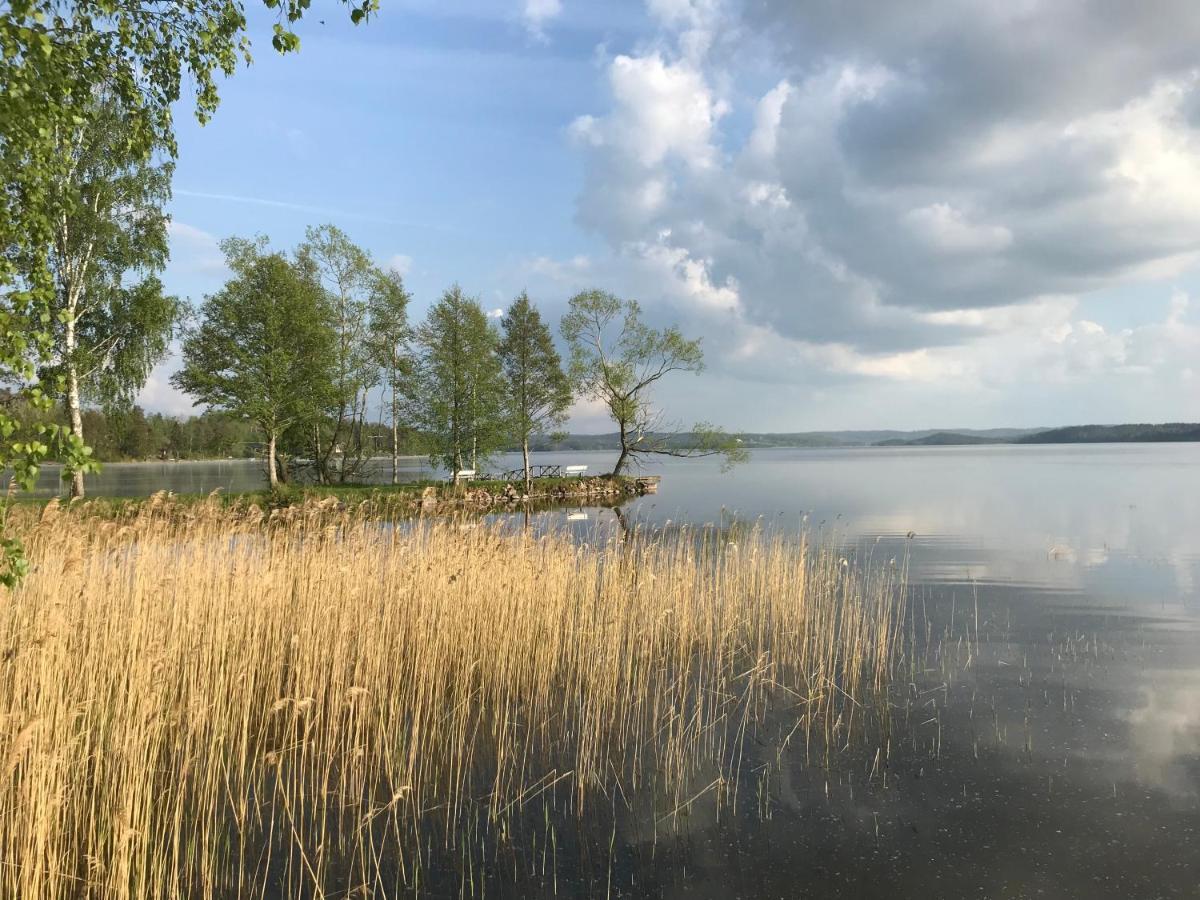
(534, 472)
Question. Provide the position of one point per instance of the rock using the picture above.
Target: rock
(647, 485)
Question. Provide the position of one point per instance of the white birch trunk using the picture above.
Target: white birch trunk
(74, 406)
(525, 454)
(272, 476)
(395, 440)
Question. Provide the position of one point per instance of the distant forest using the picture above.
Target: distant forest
(1073, 434)
(1097, 434)
(133, 434)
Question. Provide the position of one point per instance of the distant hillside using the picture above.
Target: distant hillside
(763, 440)
(1103, 434)
(1074, 434)
(944, 439)
(754, 441)
(883, 437)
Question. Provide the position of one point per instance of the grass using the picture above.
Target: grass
(384, 498)
(193, 704)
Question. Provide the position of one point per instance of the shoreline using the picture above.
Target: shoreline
(411, 498)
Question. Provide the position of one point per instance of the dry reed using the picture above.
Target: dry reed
(198, 703)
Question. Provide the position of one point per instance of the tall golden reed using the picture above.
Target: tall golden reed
(201, 703)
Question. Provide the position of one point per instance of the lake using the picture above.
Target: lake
(1112, 521)
(1049, 742)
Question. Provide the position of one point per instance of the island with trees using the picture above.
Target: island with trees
(295, 344)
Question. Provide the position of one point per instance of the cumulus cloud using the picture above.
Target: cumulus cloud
(919, 195)
(663, 110)
(695, 22)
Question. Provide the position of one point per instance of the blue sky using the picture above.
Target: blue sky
(976, 214)
(434, 135)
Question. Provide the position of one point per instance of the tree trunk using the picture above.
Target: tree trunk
(621, 460)
(317, 461)
(74, 408)
(395, 441)
(363, 442)
(474, 432)
(525, 454)
(272, 475)
(354, 449)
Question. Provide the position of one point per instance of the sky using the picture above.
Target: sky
(959, 213)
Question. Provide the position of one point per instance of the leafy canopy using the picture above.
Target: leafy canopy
(263, 347)
(458, 388)
(539, 392)
(616, 358)
(388, 333)
(349, 277)
(54, 56)
(107, 329)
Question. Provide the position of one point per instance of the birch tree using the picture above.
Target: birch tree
(458, 389)
(110, 321)
(538, 392)
(264, 346)
(350, 277)
(54, 55)
(389, 347)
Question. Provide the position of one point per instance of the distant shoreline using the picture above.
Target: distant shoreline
(849, 440)
(1175, 432)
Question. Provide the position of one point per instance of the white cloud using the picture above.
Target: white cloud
(764, 139)
(664, 110)
(400, 263)
(537, 14)
(945, 229)
(590, 416)
(159, 395)
(696, 21)
(586, 130)
(923, 200)
(194, 250)
(568, 271)
(681, 275)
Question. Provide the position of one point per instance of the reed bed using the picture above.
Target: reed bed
(209, 703)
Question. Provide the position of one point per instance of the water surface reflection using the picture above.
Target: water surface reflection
(1047, 727)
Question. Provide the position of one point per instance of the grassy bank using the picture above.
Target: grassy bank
(429, 496)
(195, 705)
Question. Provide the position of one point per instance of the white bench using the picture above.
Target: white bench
(574, 470)
(462, 475)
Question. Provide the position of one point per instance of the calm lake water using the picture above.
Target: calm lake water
(1116, 523)
(1050, 740)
